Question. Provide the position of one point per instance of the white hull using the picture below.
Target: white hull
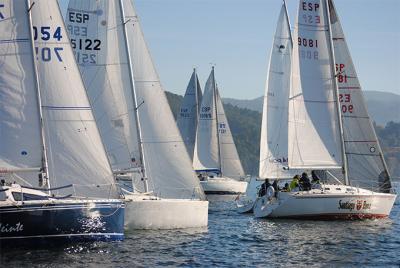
(148, 212)
(245, 202)
(346, 203)
(218, 185)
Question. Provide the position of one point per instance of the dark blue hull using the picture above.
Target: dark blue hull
(61, 222)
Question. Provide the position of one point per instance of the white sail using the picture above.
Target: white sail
(20, 132)
(189, 112)
(75, 152)
(206, 152)
(274, 127)
(104, 66)
(166, 162)
(314, 135)
(230, 162)
(366, 166)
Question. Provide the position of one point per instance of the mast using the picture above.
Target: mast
(134, 97)
(216, 121)
(336, 92)
(39, 100)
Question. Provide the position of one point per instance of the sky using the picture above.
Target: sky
(236, 37)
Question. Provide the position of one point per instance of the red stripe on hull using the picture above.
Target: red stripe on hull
(336, 216)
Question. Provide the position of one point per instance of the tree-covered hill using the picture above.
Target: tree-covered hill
(245, 126)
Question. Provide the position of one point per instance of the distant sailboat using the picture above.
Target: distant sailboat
(329, 128)
(50, 142)
(215, 157)
(135, 121)
(274, 128)
(189, 113)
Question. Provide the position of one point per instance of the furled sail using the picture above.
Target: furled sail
(274, 127)
(189, 113)
(366, 166)
(20, 133)
(314, 135)
(206, 152)
(230, 162)
(75, 152)
(166, 161)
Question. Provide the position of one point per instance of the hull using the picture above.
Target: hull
(245, 206)
(61, 221)
(223, 186)
(245, 203)
(320, 206)
(153, 214)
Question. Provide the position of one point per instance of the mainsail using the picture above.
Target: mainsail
(165, 160)
(230, 161)
(189, 113)
(20, 133)
(206, 151)
(274, 127)
(215, 150)
(75, 152)
(366, 165)
(314, 135)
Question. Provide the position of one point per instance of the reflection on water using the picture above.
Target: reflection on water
(233, 239)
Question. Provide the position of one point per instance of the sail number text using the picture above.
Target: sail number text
(310, 7)
(83, 46)
(47, 33)
(205, 113)
(222, 128)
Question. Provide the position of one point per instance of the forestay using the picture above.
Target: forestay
(206, 151)
(230, 162)
(97, 36)
(366, 166)
(274, 127)
(314, 136)
(75, 152)
(20, 133)
(189, 113)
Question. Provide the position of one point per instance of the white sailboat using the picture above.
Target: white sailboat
(215, 157)
(274, 128)
(329, 128)
(56, 182)
(189, 113)
(135, 121)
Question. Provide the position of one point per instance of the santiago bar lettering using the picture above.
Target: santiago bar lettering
(360, 204)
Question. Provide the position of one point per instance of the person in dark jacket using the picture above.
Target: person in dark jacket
(263, 189)
(305, 183)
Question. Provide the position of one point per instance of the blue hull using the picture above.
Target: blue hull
(61, 222)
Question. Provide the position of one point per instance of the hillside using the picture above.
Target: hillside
(245, 125)
(382, 106)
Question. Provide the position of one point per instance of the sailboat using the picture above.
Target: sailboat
(136, 124)
(56, 182)
(215, 159)
(189, 113)
(329, 129)
(274, 128)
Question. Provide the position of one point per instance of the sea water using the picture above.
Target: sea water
(234, 240)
